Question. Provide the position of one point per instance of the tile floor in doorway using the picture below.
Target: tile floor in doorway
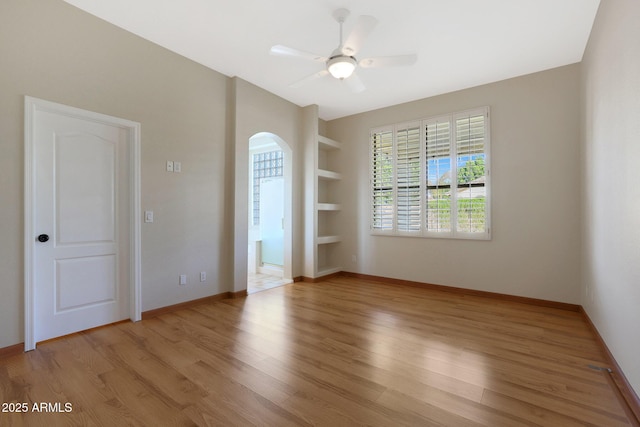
(257, 282)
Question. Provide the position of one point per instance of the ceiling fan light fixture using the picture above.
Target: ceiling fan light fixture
(341, 66)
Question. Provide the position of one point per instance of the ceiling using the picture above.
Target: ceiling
(459, 43)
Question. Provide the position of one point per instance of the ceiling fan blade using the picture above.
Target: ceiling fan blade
(356, 38)
(354, 83)
(309, 79)
(281, 50)
(388, 61)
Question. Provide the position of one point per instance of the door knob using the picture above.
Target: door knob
(43, 238)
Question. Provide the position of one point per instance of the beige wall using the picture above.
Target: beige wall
(535, 249)
(611, 176)
(53, 51)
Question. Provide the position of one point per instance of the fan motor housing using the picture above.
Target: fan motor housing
(341, 66)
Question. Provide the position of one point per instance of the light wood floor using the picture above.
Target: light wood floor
(340, 353)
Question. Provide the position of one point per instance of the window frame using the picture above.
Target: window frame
(453, 233)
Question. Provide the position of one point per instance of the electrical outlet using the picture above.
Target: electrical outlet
(203, 276)
(183, 279)
(177, 167)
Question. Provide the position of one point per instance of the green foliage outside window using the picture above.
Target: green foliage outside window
(471, 171)
(471, 214)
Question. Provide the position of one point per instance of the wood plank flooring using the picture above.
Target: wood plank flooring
(342, 352)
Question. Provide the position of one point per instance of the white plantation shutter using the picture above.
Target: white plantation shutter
(438, 172)
(471, 194)
(408, 178)
(382, 196)
(431, 177)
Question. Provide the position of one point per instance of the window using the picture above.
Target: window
(430, 178)
(265, 165)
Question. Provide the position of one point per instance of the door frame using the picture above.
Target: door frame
(31, 106)
(287, 175)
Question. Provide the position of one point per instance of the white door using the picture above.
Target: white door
(82, 228)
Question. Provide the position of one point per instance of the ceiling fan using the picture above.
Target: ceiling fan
(341, 64)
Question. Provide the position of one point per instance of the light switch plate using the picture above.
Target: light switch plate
(148, 216)
(169, 166)
(177, 167)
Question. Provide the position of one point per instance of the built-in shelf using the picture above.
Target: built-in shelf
(325, 143)
(324, 240)
(329, 206)
(329, 175)
(322, 271)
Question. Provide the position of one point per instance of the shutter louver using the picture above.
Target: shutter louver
(382, 202)
(408, 178)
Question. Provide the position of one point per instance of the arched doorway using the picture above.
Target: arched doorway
(270, 212)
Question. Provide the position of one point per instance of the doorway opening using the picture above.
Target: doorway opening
(270, 201)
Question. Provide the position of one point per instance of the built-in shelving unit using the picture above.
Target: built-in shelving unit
(327, 207)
